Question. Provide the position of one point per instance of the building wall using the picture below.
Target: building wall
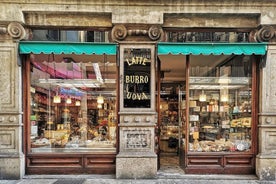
(19, 16)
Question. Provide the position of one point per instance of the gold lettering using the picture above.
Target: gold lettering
(136, 61)
(136, 96)
(144, 61)
(137, 79)
(128, 95)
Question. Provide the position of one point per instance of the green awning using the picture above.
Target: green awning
(35, 47)
(212, 48)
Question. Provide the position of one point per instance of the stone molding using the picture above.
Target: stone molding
(15, 30)
(72, 20)
(121, 33)
(265, 33)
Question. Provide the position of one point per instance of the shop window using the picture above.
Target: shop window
(208, 37)
(220, 104)
(69, 35)
(96, 36)
(73, 103)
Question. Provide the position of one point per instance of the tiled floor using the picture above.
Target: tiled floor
(170, 164)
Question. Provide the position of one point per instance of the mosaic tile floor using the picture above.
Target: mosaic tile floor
(170, 164)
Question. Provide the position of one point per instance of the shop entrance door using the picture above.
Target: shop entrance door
(171, 107)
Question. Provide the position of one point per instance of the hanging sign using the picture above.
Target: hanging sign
(137, 71)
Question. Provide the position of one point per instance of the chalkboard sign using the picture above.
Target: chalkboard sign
(137, 72)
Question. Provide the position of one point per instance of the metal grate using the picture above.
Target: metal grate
(70, 181)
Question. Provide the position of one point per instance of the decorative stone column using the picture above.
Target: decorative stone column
(11, 136)
(138, 117)
(137, 158)
(266, 159)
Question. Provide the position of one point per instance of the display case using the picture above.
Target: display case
(69, 119)
(220, 118)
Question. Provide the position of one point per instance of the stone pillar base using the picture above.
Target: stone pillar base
(12, 168)
(266, 167)
(136, 165)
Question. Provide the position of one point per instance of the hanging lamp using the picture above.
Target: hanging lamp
(100, 99)
(202, 97)
(77, 103)
(69, 100)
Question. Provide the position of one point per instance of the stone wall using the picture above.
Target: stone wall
(266, 158)
(11, 153)
(82, 14)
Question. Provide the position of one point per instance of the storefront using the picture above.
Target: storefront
(208, 119)
(71, 98)
(72, 101)
(119, 87)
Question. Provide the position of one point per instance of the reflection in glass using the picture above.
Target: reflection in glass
(64, 111)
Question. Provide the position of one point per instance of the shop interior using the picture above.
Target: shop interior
(74, 107)
(73, 103)
(219, 106)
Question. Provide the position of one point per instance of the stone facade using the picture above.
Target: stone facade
(11, 153)
(138, 17)
(265, 162)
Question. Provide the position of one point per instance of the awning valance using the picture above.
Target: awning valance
(89, 48)
(212, 48)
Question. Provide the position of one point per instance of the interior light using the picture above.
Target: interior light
(68, 100)
(57, 99)
(99, 106)
(202, 97)
(192, 103)
(224, 98)
(77, 103)
(100, 99)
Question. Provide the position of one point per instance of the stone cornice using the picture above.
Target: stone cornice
(151, 3)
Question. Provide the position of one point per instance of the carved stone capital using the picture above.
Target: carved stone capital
(264, 34)
(155, 32)
(122, 33)
(119, 32)
(14, 30)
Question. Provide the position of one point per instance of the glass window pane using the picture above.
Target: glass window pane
(70, 35)
(207, 36)
(73, 104)
(45, 35)
(220, 103)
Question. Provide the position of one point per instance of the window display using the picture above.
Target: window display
(66, 114)
(220, 106)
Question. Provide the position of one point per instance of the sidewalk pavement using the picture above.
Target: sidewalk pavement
(160, 179)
